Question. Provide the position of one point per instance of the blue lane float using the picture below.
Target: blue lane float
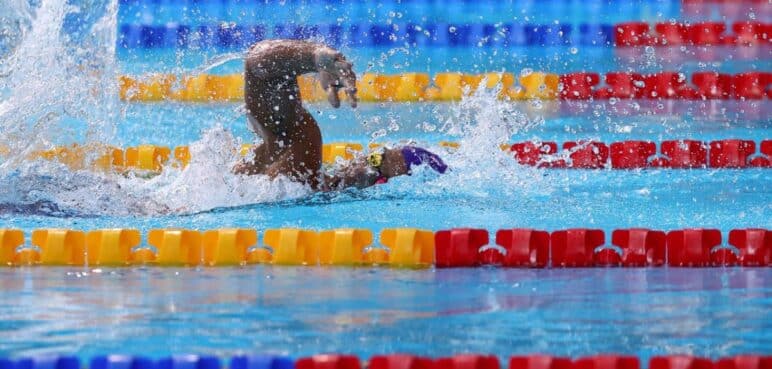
(42, 362)
(367, 35)
(261, 362)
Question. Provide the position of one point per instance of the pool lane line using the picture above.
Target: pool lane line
(628, 34)
(150, 160)
(393, 361)
(454, 86)
(396, 247)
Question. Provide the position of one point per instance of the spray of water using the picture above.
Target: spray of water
(482, 123)
(59, 86)
(52, 79)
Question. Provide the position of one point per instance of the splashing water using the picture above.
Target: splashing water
(483, 122)
(207, 182)
(52, 78)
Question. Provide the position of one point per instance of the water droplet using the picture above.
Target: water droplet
(526, 72)
(378, 134)
(573, 50)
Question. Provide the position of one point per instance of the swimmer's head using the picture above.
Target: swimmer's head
(396, 162)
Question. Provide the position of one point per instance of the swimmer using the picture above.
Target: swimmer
(292, 141)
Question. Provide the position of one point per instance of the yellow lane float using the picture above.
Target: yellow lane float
(228, 246)
(111, 246)
(371, 87)
(10, 239)
(176, 246)
(60, 246)
(409, 247)
(344, 150)
(292, 246)
(343, 246)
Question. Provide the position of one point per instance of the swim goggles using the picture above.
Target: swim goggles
(374, 160)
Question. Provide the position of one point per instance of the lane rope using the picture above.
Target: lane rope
(623, 155)
(453, 86)
(226, 35)
(396, 247)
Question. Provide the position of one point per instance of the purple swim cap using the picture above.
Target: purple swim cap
(416, 156)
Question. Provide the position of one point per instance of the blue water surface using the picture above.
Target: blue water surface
(301, 311)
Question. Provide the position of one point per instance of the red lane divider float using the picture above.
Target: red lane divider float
(524, 247)
(675, 154)
(697, 34)
(391, 361)
(666, 85)
(580, 247)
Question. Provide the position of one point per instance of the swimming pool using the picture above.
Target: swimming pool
(300, 311)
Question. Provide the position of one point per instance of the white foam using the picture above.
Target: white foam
(207, 182)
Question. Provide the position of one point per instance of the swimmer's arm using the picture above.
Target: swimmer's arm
(254, 165)
(287, 59)
(358, 175)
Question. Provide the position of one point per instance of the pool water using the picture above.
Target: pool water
(363, 311)
(300, 311)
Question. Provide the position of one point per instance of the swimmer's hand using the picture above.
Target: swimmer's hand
(335, 73)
